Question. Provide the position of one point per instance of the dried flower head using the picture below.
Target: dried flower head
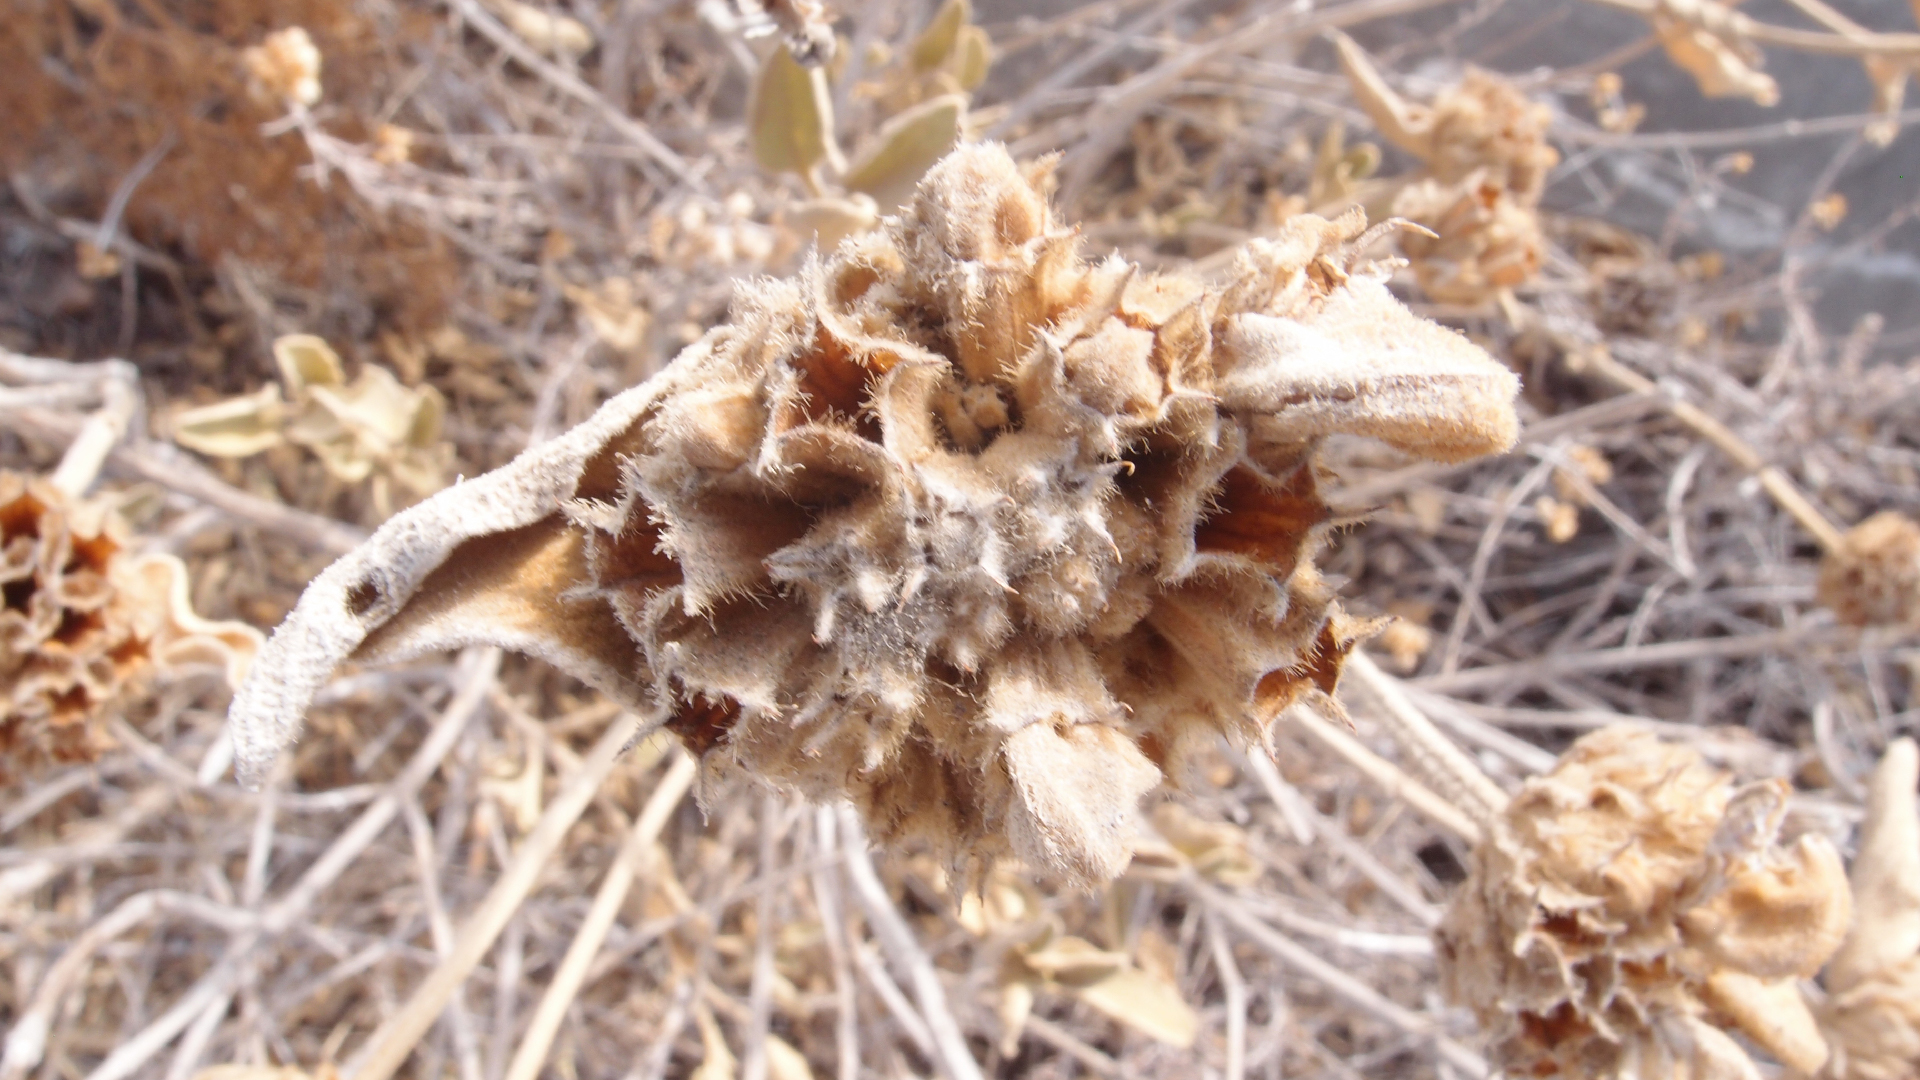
(1872, 1014)
(83, 625)
(372, 427)
(955, 523)
(285, 66)
(1710, 41)
(1481, 124)
(1484, 147)
(1482, 239)
(1874, 578)
(1633, 904)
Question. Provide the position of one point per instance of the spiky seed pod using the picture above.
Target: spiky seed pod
(1630, 907)
(83, 624)
(955, 523)
(1874, 579)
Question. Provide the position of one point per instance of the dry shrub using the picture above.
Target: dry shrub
(955, 524)
(1631, 907)
(84, 625)
(94, 85)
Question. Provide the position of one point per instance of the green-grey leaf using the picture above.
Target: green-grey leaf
(790, 118)
(937, 42)
(973, 58)
(906, 147)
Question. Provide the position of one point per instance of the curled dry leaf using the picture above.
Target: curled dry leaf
(954, 524)
(370, 427)
(1633, 902)
(285, 66)
(85, 625)
(1709, 40)
(1872, 1013)
(1874, 577)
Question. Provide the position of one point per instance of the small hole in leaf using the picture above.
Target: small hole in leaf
(361, 598)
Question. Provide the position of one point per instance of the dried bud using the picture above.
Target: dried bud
(1709, 40)
(84, 625)
(1483, 239)
(1874, 578)
(285, 66)
(1482, 124)
(1631, 904)
(955, 524)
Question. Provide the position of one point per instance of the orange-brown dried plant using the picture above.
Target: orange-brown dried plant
(84, 624)
(956, 524)
(1484, 149)
(93, 86)
(1632, 907)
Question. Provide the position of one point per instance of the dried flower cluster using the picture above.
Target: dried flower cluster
(1874, 578)
(1631, 908)
(1871, 1017)
(372, 428)
(1711, 42)
(955, 524)
(285, 66)
(1484, 147)
(83, 624)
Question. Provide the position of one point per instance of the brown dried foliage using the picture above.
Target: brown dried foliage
(94, 85)
(84, 624)
(956, 524)
(1631, 906)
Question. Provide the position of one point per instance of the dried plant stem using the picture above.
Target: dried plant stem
(1319, 826)
(100, 432)
(145, 805)
(627, 865)
(1339, 982)
(389, 1046)
(527, 56)
(1235, 987)
(1393, 779)
(1783, 491)
(165, 466)
(26, 1042)
(950, 1046)
(1439, 762)
(833, 927)
(476, 674)
(1829, 44)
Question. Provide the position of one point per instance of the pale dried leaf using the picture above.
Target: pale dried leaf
(1886, 874)
(1146, 1004)
(235, 428)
